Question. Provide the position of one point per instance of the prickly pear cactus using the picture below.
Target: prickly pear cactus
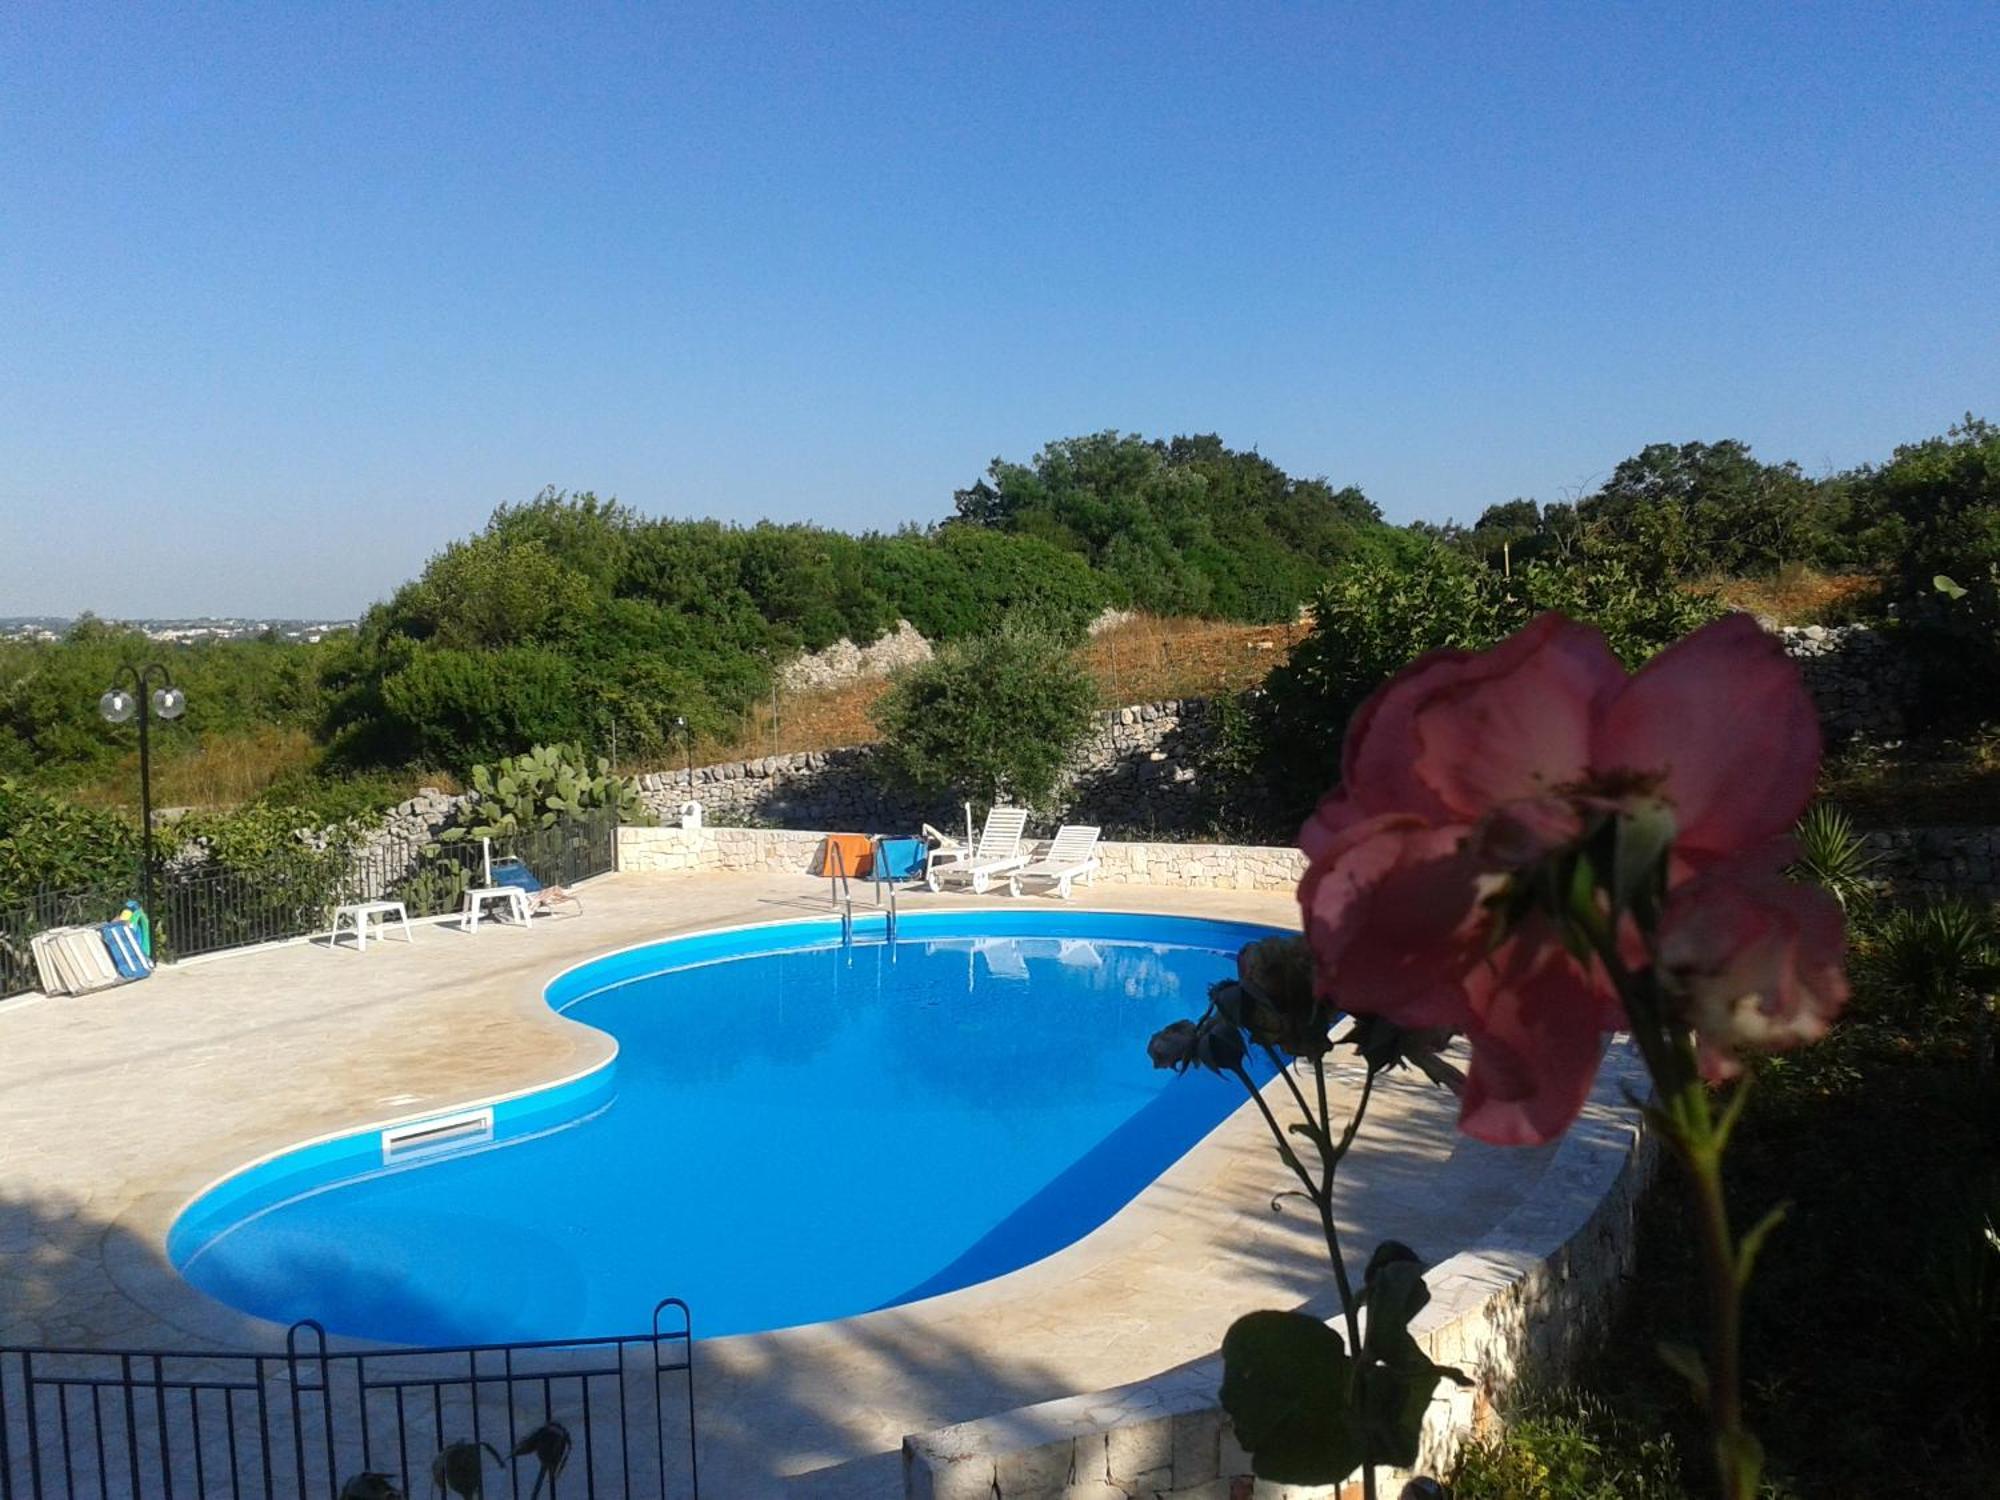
(537, 789)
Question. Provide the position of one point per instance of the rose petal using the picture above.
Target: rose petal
(1517, 834)
(1756, 961)
(1392, 913)
(1724, 717)
(1377, 760)
(1335, 814)
(1515, 722)
(1536, 1043)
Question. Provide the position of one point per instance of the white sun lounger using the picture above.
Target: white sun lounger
(1073, 856)
(997, 852)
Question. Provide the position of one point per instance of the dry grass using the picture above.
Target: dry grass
(1144, 660)
(227, 770)
(1149, 658)
(216, 772)
(1799, 595)
(806, 721)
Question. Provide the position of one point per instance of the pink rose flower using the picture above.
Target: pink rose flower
(1756, 959)
(1468, 766)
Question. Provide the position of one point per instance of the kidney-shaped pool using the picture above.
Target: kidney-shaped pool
(793, 1130)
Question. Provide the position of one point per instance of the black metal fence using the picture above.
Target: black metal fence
(583, 1418)
(204, 905)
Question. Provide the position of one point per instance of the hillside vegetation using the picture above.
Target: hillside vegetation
(570, 618)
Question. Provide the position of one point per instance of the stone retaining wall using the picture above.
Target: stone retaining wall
(1137, 772)
(1540, 1291)
(1962, 861)
(672, 850)
(1862, 683)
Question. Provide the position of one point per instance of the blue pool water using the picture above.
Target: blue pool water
(792, 1131)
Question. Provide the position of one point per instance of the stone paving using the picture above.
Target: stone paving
(117, 1108)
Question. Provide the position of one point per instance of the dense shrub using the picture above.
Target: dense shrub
(49, 844)
(1377, 613)
(958, 580)
(571, 618)
(1187, 527)
(453, 708)
(1691, 508)
(992, 718)
(1570, 1445)
(49, 724)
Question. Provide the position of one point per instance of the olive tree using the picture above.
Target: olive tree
(990, 717)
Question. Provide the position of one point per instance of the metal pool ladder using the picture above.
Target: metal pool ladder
(840, 896)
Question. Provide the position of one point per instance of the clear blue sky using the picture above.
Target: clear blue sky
(292, 295)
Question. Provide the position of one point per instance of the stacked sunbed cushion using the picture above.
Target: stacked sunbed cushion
(77, 960)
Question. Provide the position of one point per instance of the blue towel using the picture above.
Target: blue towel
(900, 859)
(122, 943)
(517, 875)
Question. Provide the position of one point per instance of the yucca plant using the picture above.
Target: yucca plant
(1934, 960)
(1834, 855)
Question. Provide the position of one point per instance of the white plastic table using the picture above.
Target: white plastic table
(477, 898)
(359, 915)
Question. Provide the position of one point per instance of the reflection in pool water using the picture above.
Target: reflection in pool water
(795, 1135)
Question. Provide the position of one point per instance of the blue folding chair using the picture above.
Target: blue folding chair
(509, 870)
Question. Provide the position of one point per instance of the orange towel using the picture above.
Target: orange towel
(855, 854)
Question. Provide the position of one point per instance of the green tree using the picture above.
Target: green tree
(992, 717)
(455, 708)
(1375, 615)
(1187, 526)
(490, 593)
(1693, 508)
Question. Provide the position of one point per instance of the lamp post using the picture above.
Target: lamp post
(153, 692)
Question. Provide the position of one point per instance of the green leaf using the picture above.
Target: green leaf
(1287, 1385)
(1686, 1363)
(1950, 587)
(1753, 1241)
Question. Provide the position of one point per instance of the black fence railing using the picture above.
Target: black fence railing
(203, 905)
(582, 1418)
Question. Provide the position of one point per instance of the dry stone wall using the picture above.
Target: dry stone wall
(1136, 772)
(1862, 683)
(1963, 861)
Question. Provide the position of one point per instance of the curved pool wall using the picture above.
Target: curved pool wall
(348, 1266)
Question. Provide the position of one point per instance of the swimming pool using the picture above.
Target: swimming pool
(793, 1130)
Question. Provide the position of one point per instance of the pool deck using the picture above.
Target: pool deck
(118, 1108)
